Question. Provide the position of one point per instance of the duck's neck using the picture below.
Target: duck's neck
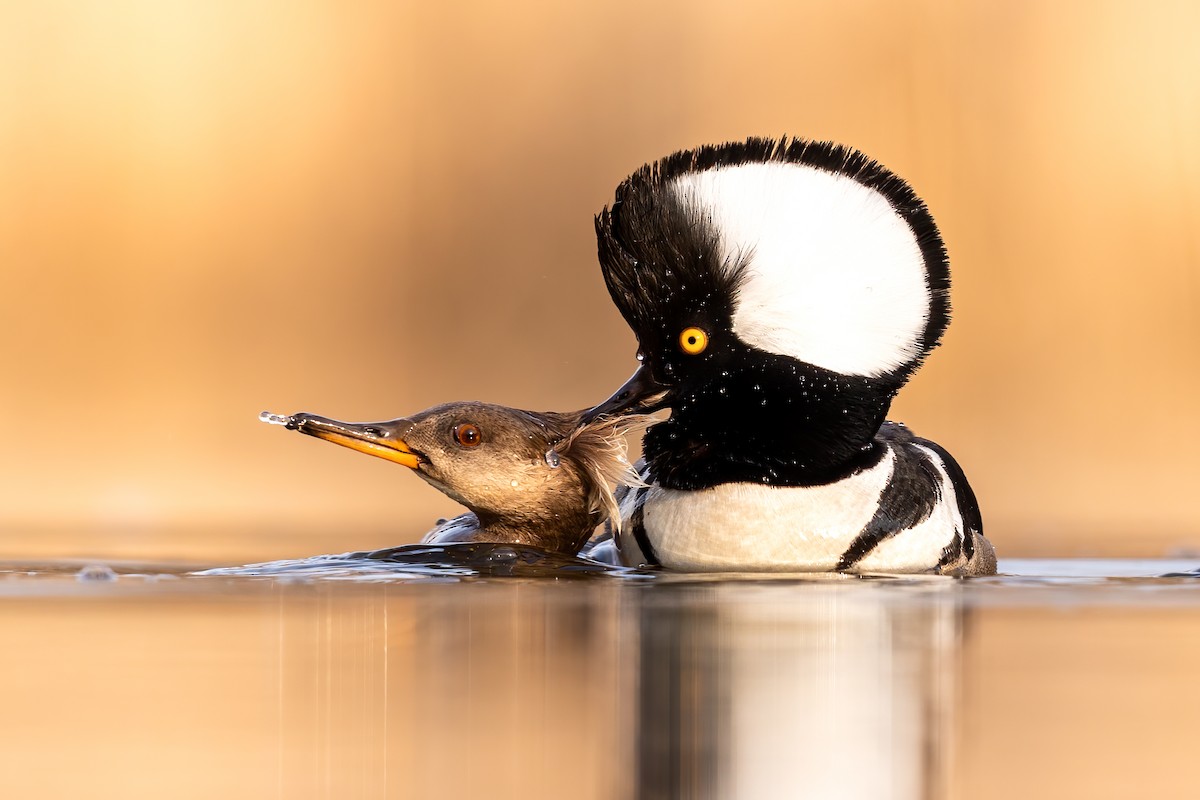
(769, 425)
(554, 526)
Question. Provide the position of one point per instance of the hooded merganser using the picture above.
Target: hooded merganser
(539, 479)
(781, 293)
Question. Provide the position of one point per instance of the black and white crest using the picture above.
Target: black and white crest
(809, 250)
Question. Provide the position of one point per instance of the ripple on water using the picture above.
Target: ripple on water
(1020, 582)
(417, 562)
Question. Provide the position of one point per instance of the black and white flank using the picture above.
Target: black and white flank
(781, 293)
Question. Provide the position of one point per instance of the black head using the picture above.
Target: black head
(781, 293)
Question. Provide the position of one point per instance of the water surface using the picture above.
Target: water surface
(458, 679)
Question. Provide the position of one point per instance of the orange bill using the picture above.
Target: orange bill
(382, 439)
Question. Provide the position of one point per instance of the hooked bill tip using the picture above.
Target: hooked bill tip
(277, 419)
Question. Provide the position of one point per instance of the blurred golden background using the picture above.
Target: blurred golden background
(211, 209)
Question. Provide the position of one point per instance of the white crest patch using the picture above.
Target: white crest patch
(836, 277)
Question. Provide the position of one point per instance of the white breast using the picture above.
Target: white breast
(746, 526)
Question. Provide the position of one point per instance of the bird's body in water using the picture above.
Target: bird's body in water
(781, 294)
(528, 478)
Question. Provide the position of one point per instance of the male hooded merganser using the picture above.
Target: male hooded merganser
(538, 479)
(781, 294)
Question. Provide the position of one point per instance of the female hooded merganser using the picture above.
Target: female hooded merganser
(539, 479)
(781, 294)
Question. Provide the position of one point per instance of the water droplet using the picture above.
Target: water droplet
(722, 390)
(274, 419)
(764, 401)
(502, 554)
(514, 484)
(96, 572)
(552, 460)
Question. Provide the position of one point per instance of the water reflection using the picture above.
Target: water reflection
(152, 685)
(836, 689)
(831, 688)
(472, 690)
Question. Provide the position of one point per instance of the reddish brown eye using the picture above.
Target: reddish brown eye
(467, 435)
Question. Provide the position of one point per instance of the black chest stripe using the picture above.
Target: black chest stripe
(952, 552)
(906, 501)
(968, 506)
(637, 521)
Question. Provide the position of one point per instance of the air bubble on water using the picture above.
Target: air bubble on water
(552, 459)
(502, 554)
(96, 572)
(274, 419)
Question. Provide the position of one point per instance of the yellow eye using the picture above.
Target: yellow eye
(693, 341)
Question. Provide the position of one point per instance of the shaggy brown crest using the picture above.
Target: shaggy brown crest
(600, 450)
